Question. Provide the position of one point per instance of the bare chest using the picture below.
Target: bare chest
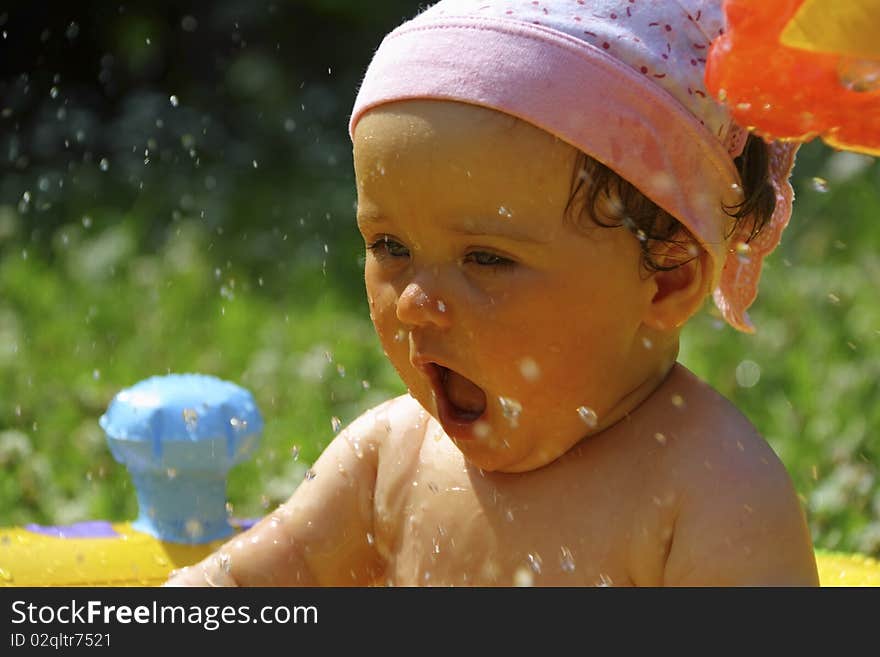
(444, 524)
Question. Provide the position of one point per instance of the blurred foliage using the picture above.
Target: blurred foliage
(177, 195)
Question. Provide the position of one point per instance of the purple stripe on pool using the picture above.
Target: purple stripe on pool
(87, 529)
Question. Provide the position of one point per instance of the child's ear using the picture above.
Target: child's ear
(680, 291)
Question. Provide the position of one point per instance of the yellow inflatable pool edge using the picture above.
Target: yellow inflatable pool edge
(133, 558)
(846, 569)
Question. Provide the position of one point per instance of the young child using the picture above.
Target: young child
(547, 195)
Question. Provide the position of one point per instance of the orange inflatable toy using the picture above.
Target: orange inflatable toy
(798, 69)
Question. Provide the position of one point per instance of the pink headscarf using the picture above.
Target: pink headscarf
(622, 81)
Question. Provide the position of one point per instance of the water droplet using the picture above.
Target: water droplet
(677, 400)
(336, 423)
(189, 23)
(173, 100)
(194, 528)
(534, 562)
(104, 164)
(523, 577)
(53, 92)
(400, 336)
(238, 424)
(604, 580)
(171, 473)
(859, 75)
(87, 222)
(365, 384)
(748, 373)
(5, 575)
(566, 561)
(254, 162)
(191, 418)
(310, 474)
(482, 429)
(511, 409)
(96, 374)
(588, 416)
(660, 438)
(441, 306)
(294, 452)
(529, 369)
(646, 343)
(504, 212)
(819, 184)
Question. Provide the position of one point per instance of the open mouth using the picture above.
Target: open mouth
(460, 401)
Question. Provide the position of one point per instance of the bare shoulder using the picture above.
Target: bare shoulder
(738, 518)
(384, 426)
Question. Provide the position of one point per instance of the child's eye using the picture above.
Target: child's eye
(486, 259)
(386, 247)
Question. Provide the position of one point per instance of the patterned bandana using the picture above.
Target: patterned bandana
(622, 81)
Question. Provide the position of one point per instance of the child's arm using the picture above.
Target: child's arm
(739, 522)
(321, 536)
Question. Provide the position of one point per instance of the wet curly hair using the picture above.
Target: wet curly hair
(611, 201)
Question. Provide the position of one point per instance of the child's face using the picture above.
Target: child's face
(520, 332)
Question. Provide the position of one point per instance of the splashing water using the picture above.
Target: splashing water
(309, 475)
(535, 562)
(194, 528)
(191, 418)
(748, 373)
(482, 429)
(529, 369)
(820, 185)
(588, 416)
(859, 75)
(566, 560)
(511, 409)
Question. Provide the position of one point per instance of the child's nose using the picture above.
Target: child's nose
(419, 305)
